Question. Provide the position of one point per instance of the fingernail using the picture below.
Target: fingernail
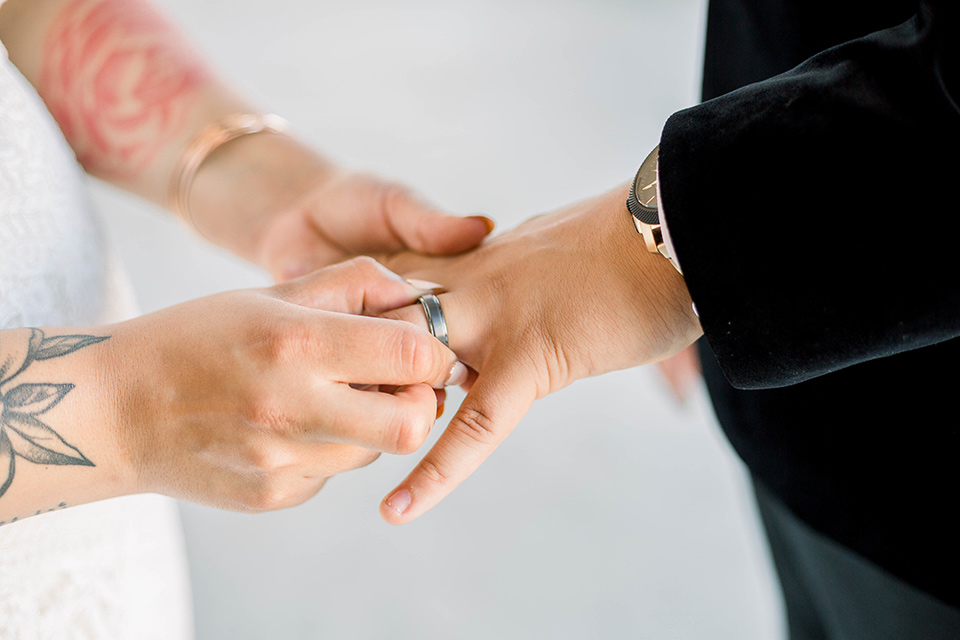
(458, 374)
(423, 285)
(439, 411)
(399, 501)
(490, 224)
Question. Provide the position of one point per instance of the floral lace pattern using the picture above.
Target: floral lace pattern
(113, 569)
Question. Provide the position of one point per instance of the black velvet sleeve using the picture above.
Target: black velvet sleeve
(816, 213)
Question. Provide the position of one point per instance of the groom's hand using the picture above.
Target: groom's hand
(563, 296)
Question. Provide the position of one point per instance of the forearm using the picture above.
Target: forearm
(57, 445)
(811, 212)
(130, 92)
(126, 88)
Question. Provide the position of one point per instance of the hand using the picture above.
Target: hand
(561, 297)
(356, 214)
(275, 202)
(130, 93)
(249, 400)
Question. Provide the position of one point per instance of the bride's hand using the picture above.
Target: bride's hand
(561, 297)
(250, 400)
(277, 203)
(351, 214)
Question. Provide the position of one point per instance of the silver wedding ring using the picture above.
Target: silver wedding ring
(436, 323)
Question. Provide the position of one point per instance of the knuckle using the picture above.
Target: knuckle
(271, 495)
(410, 433)
(281, 340)
(364, 272)
(293, 341)
(392, 195)
(474, 425)
(365, 266)
(266, 459)
(432, 472)
(417, 354)
(270, 492)
(265, 411)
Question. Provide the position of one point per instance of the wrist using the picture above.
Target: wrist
(245, 183)
(139, 398)
(110, 406)
(662, 303)
(60, 441)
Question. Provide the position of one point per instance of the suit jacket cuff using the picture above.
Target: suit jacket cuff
(760, 187)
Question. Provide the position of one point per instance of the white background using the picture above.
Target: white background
(612, 512)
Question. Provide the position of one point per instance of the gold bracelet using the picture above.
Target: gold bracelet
(206, 142)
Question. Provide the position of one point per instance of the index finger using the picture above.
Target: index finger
(496, 403)
(465, 320)
(380, 351)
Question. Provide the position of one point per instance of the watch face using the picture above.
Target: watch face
(644, 191)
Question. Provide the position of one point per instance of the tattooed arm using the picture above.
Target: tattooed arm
(129, 93)
(247, 400)
(33, 366)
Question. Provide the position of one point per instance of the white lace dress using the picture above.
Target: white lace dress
(113, 569)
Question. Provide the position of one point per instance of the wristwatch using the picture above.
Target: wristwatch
(644, 205)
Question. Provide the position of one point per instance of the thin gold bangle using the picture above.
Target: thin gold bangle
(206, 142)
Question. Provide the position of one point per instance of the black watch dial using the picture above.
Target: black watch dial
(642, 203)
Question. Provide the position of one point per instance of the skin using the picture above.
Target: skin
(563, 296)
(130, 92)
(246, 400)
(210, 401)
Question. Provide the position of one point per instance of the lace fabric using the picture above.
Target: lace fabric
(113, 569)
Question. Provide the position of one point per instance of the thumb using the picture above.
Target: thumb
(494, 406)
(357, 286)
(423, 228)
(292, 247)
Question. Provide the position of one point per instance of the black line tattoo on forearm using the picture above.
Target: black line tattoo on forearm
(22, 433)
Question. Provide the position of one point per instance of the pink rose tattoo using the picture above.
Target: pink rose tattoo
(114, 83)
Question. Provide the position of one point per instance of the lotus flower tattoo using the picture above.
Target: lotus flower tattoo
(22, 433)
